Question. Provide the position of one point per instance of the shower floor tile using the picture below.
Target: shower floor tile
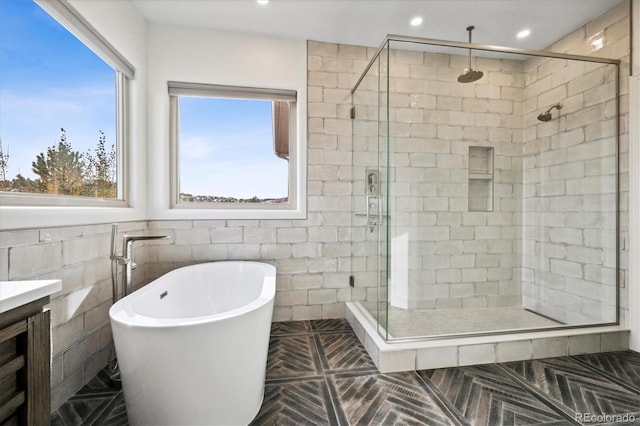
(320, 374)
(433, 322)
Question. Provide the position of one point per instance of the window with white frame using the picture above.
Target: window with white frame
(63, 95)
(233, 148)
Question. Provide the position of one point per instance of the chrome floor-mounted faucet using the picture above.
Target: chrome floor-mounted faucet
(126, 258)
(126, 261)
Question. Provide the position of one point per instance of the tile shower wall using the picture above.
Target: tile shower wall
(569, 247)
(78, 255)
(443, 254)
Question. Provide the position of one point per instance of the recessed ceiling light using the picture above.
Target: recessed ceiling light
(416, 21)
(598, 43)
(263, 1)
(523, 33)
(597, 40)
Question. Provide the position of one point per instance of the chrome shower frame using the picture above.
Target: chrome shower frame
(476, 46)
(525, 52)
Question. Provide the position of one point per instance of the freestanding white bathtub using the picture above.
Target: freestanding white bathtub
(192, 345)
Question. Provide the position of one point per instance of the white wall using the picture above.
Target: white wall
(123, 26)
(196, 55)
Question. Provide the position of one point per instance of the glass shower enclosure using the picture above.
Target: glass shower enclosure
(485, 206)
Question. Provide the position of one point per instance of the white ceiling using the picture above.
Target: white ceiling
(366, 22)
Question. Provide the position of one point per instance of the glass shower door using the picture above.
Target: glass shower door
(369, 168)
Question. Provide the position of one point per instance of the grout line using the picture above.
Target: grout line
(318, 356)
(334, 403)
(447, 407)
(543, 397)
(545, 316)
(322, 356)
(278, 380)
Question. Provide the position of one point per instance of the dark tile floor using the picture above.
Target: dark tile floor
(318, 373)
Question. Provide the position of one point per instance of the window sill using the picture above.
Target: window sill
(29, 217)
(47, 200)
(204, 213)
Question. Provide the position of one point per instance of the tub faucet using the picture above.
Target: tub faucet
(127, 255)
(126, 258)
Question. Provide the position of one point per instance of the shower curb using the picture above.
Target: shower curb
(416, 354)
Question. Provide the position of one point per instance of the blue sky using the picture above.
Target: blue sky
(226, 149)
(48, 80)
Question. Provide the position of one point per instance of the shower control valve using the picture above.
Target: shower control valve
(372, 182)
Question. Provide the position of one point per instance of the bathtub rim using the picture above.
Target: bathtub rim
(122, 312)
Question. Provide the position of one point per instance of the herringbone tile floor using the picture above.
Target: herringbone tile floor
(318, 373)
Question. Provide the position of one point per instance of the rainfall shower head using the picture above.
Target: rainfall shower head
(546, 116)
(470, 75)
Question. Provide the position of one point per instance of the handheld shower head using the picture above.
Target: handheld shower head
(546, 116)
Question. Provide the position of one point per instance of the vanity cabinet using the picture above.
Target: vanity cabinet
(25, 389)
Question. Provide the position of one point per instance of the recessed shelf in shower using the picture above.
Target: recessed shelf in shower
(480, 193)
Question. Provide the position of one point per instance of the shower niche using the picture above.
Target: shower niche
(480, 179)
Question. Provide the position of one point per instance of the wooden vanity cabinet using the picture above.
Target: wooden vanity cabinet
(25, 387)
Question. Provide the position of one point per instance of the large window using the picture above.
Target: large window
(62, 126)
(233, 147)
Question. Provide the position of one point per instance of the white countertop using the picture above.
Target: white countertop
(18, 293)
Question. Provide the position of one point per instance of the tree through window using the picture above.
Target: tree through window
(58, 109)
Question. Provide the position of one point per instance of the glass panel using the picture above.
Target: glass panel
(570, 140)
(499, 195)
(365, 261)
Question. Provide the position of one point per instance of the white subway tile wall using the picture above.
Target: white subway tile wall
(79, 255)
(454, 257)
(569, 164)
